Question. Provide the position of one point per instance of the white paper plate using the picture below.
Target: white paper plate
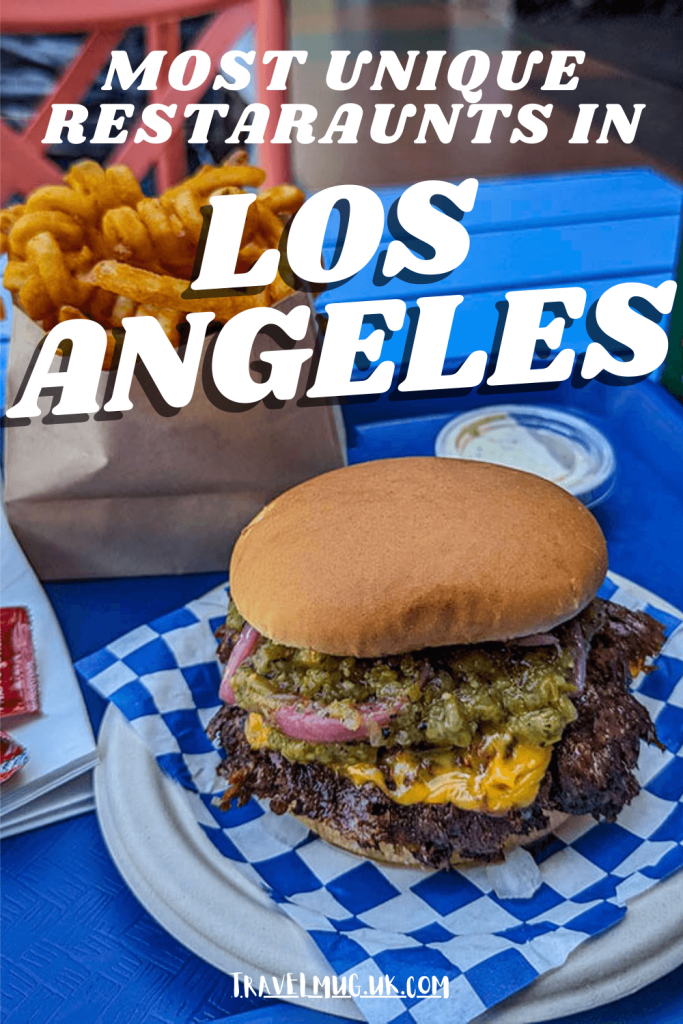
(201, 898)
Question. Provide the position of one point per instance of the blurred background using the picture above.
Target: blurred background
(634, 54)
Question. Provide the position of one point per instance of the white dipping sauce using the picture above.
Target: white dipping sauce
(545, 441)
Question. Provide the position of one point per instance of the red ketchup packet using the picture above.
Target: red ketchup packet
(12, 756)
(19, 678)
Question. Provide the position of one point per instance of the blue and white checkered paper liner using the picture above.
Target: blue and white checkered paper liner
(370, 920)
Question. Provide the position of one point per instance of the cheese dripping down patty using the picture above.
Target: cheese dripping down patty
(494, 777)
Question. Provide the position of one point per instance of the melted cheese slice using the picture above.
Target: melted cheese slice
(494, 780)
(492, 783)
(256, 731)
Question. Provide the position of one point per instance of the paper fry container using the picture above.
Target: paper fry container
(145, 493)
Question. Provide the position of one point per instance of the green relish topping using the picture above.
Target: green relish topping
(447, 695)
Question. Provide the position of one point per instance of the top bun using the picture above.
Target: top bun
(396, 555)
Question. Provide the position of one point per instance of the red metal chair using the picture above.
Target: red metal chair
(24, 163)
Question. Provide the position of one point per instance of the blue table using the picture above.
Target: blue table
(78, 948)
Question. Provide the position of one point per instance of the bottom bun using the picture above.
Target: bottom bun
(388, 853)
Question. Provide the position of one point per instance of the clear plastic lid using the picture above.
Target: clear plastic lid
(544, 440)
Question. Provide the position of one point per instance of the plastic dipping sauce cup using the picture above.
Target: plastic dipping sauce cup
(538, 439)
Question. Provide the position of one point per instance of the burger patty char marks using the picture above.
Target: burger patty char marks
(591, 770)
(432, 832)
(593, 763)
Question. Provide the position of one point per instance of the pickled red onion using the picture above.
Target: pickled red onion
(310, 721)
(311, 724)
(246, 645)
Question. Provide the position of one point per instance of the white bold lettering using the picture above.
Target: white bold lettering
(343, 341)
(348, 128)
(559, 67)
(254, 121)
(298, 117)
(174, 377)
(528, 117)
(333, 79)
(390, 63)
(447, 236)
(283, 64)
(508, 65)
(232, 355)
(583, 123)
(425, 370)
(66, 115)
(616, 115)
(434, 115)
(488, 112)
(307, 233)
(152, 117)
(523, 328)
(147, 70)
(222, 248)
(239, 77)
(108, 121)
(378, 128)
(480, 69)
(204, 112)
(198, 75)
(80, 379)
(646, 339)
(431, 70)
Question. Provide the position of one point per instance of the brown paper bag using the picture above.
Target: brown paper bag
(150, 494)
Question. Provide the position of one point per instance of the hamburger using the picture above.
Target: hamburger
(416, 664)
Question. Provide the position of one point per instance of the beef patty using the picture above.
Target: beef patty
(591, 770)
